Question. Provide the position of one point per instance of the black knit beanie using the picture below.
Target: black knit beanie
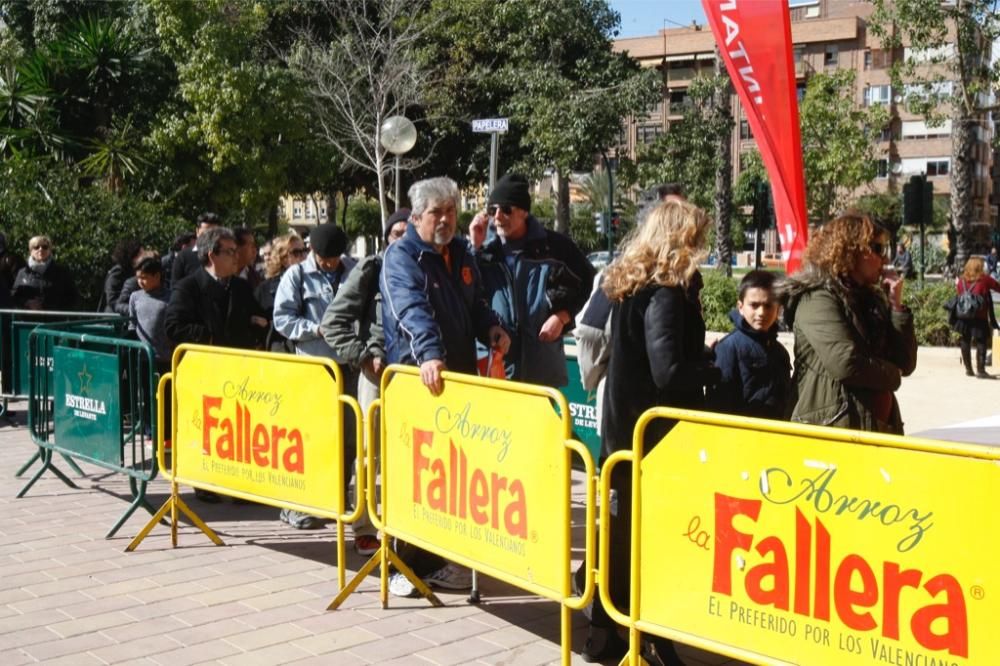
(511, 190)
(328, 240)
(401, 215)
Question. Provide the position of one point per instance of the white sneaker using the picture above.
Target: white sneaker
(450, 577)
(400, 586)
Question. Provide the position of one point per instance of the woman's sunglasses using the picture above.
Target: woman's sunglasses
(298, 252)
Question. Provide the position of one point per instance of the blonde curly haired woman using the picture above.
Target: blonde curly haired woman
(657, 358)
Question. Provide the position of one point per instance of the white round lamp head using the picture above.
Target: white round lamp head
(399, 135)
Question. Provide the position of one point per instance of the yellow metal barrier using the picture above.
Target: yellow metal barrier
(261, 427)
(479, 475)
(780, 543)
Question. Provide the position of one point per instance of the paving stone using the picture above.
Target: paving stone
(89, 624)
(67, 646)
(462, 651)
(334, 640)
(138, 648)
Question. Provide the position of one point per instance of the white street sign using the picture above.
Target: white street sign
(488, 125)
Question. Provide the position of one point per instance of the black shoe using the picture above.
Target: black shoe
(207, 496)
(602, 644)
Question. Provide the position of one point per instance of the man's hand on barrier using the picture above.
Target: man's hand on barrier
(430, 375)
(499, 340)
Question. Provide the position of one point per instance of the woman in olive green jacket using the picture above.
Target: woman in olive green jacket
(854, 339)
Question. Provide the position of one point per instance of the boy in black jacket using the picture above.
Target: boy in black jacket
(756, 370)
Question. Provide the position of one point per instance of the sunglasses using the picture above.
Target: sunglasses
(878, 248)
(40, 246)
(492, 210)
(298, 252)
(227, 252)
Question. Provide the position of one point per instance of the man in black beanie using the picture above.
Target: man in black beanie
(304, 293)
(536, 279)
(352, 326)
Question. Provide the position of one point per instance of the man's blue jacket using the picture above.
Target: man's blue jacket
(431, 312)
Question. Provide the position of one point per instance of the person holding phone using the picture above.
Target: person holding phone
(854, 338)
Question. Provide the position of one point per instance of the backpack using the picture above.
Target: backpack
(968, 304)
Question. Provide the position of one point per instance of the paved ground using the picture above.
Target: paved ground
(69, 596)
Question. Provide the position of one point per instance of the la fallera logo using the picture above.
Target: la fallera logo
(809, 582)
(238, 437)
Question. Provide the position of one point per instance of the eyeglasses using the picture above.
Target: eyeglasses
(40, 246)
(397, 233)
(298, 252)
(227, 252)
(492, 210)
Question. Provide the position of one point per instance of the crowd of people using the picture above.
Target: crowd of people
(513, 289)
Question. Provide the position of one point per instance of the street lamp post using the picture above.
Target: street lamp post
(399, 135)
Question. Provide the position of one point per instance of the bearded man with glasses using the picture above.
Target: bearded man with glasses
(536, 279)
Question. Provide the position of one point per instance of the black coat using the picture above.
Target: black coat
(204, 311)
(657, 359)
(55, 287)
(185, 263)
(756, 373)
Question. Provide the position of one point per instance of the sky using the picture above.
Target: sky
(646, 17)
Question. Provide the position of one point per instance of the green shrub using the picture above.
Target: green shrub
(84, 222)
(930, 319)
(363, 217)
(718, 297)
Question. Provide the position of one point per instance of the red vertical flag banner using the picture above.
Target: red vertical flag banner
(755, 39)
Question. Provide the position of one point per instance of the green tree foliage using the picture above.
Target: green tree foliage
(232, 136)
(545, 64)
(364, 218)
(948, 42)
(718, 297)
(930, 319)
(837, 146)
(688, 152)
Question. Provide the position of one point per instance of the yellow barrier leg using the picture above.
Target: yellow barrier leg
(565, 629)
(384, 571)
(157, 517)
(341, 555)
(364, 571)
(193, 517)
(413, 578)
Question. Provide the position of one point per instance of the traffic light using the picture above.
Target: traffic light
(616, 222)
(763, 206)
(918, 202)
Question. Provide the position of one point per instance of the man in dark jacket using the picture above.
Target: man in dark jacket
(187, 261)
(209, 307)
(756, 369)
(212, 307)
(433, 311)
(536, 279)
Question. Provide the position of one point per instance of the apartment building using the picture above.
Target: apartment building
(826, 35)
(303, 213)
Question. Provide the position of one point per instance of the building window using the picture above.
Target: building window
(678, 98)
(800, 91)
(918, 129)
(881, 59)
(745, 132)
(878, 95)
(882, 169)
(646, 134)
(887, 134)
(798, 52)
(297, 212)
(937, 167)
(832, 56)
(868, 58)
